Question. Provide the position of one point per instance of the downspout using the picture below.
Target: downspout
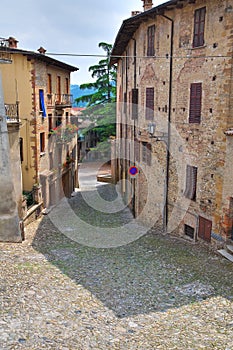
(165, 217)
(134, 127)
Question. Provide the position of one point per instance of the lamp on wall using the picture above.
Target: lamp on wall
(151, 130)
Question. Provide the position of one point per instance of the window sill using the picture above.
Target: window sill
(199, 47)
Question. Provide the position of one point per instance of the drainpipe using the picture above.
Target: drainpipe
(165, 216)
(134, 127)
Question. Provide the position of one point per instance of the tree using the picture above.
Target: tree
(105, 84)
(101, 103)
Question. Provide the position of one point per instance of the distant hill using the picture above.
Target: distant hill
(77, 92)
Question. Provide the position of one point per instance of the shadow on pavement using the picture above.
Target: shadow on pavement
(153, 273)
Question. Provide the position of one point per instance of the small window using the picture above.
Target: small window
(146, 153)
(134, 103)
(199, 27)
(149, 103)
(125, 102)
(42, 104)
(67, 86)
(195, 103)
(49, 87)
(21, 148)
(191, 182)
(137, 150)
(151, 41)
(58, 121)
(189, 231)
(50, 124)
(42, 142)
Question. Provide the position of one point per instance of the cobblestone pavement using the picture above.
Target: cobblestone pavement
(156, 292)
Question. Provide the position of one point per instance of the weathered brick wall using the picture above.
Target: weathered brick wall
(202, 145)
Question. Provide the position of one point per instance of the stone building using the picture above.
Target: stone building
(175, 116)
(40, 86)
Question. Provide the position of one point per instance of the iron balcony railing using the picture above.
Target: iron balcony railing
(63, 99)
(12, 112)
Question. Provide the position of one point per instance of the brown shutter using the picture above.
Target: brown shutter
(195, 103)
(134, 103)
(149, 103)
(199, 27)
(151, 41)
(191, 182)
(125, 102)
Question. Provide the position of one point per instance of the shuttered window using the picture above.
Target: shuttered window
(137, 150)
(149, 103)
(189, 231)
(205, 227)
(151, 41)
(146, 153)
(199, 27)
(42, 103)
(195, 103)
(191, 182)
(134, 103)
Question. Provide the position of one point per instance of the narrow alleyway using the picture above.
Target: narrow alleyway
(61, 290)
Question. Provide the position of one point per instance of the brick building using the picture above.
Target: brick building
(38, 87)
(175, 116)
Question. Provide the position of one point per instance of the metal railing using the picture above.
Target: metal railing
(63, 99)
(12, 112)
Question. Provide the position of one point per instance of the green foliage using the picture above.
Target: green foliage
(101, 106)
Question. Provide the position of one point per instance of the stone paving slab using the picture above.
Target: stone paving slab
(154, 293)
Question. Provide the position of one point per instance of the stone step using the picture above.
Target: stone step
(230, 248)
(226, 255)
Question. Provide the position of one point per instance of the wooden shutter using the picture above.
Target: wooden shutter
(195, 103)
(137, 150)
(199, 27)
(134, 103)
(151, 41)
(191, 182)
(149, 103)
(205, 227)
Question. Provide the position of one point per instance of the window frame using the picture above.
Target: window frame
(191, 182)
(195, 104)
(151, 41)
(199, 27)
(150, 103)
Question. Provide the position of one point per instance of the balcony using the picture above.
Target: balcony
(63, 100)
(12, 112)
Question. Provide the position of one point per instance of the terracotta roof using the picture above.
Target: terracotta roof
(130, 25)
(40, 57)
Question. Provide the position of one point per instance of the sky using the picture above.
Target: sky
(71, 26)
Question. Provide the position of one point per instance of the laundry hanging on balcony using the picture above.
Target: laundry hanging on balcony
(42, 104)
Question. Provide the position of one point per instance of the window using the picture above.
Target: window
(189, 231)
(49, 86)
(58, 89)
(42, 104)
(67, 86)
(191, 182)
(50, 124)
(134, 103)
(42, 142)
(125, 102)
(151, 41)
(149, 103)
(21, 149)
(205, 227)
(58, 121)
(199, 27)
(137, 150)
(146, 153)
(195, 103)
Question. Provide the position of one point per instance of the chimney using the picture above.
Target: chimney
(41, 50)
(147, 4)
(12, 42)
(135, 13)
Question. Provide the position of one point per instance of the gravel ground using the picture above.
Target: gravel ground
(156, 292)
